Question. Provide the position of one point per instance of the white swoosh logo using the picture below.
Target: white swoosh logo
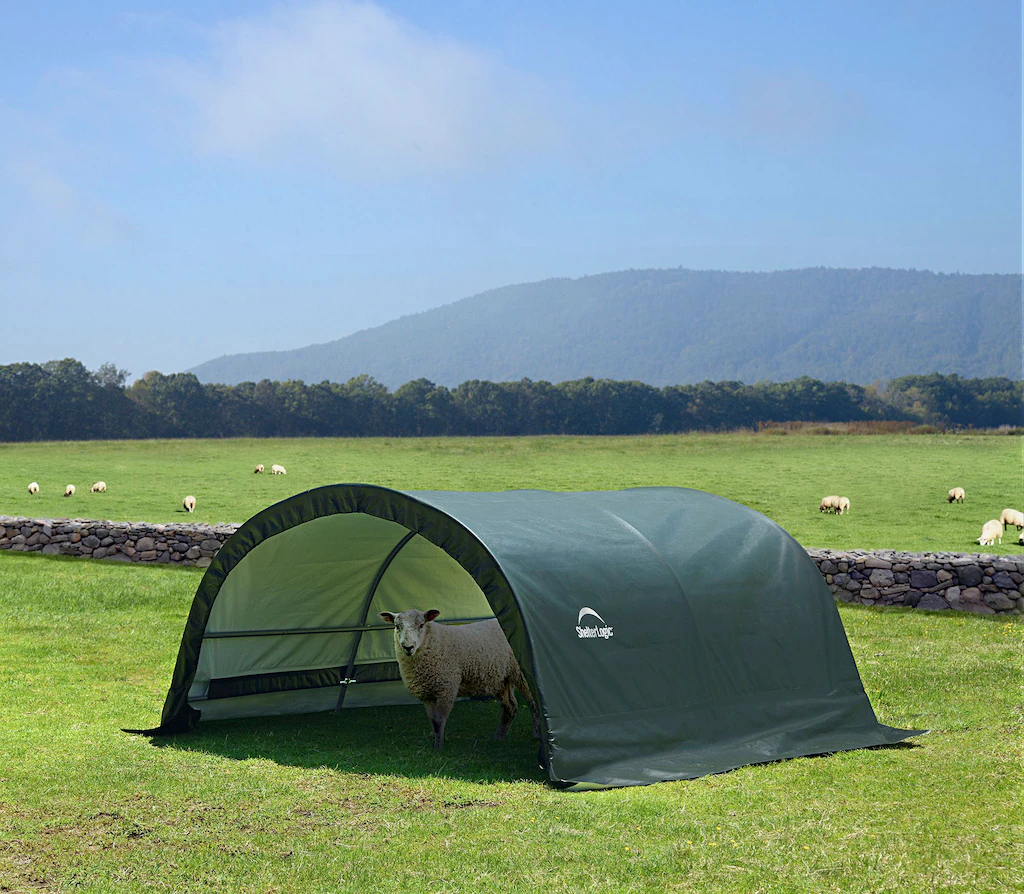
(589, 611)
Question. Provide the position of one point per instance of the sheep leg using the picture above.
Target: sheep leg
(509, 706)
(524, 689)
(438, 713)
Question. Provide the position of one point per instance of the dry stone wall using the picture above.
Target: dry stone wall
(985, 584)
(119, 541)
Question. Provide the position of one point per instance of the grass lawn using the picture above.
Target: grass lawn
(360, 802)
(897, 484)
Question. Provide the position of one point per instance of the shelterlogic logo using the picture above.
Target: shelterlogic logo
(602, 632)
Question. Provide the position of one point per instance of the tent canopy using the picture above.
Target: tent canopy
(666, 633)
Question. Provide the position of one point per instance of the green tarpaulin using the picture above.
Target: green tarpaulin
(666, 633)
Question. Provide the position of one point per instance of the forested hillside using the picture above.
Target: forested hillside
(62, 400)
(668, 327)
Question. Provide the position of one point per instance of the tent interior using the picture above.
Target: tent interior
(308, 599)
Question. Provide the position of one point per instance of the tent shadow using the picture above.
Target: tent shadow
(385, 740)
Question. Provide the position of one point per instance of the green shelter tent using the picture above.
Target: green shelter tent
(666, 633)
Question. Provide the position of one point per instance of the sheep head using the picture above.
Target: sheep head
(410, 628)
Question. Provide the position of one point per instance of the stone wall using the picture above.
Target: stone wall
(121, 541)
(985, 584)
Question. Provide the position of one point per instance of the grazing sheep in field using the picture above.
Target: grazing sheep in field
(189, 503)
(33, 488)
(278, 470)
(991, 531)
(1012, 517)
(955, 495)
(69, 491)
(258, 470)
(829, 504)
(100, 487)
(844, 505)
(439, 663)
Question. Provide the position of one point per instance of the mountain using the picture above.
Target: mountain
(680, 326)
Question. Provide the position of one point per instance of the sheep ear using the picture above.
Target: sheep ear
(387, 616)
(430, 615)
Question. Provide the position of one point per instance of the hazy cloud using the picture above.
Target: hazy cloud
(54, 202)
(353, 85)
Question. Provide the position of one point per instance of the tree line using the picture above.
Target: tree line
(63, 400)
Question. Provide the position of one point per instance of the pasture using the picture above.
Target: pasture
(897, 483)
(361, 801)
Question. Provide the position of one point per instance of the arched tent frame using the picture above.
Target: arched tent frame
(665, 633)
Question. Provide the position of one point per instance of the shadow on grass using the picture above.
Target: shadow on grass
(386, 740)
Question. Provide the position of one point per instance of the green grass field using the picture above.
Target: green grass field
(360, 802)
(896, 483)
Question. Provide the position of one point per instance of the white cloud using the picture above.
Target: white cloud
(352, 85)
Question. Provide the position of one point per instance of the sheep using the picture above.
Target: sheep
(955, 495)
(278, 470)
(438, 663)
(829, 504)
(258, 470)
(991, 531)
(189, 503)
(33, 488)
(1012, 517)
(844, 505)
(100, 487)
(69, 491)
(1020, 539)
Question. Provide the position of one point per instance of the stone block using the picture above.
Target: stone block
(922, 579)
(1003, 580)
(999, 601)
(881, 579)
(977, 608)
(144, 544)
(875, 562)
(969, 575)
(932, 602)
(970, 594)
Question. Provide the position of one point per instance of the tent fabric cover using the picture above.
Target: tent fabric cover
(666, 633)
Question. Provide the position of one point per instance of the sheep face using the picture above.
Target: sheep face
(410, 628)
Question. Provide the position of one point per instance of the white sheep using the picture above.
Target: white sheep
(33, 488)
(991, 531)
(278, 470)
(100, 487)
(844, 505)
(440, 663)
(258, 470)
(829, 504)
(189, 503)
(1012, 517)
(955, 495)
(69, 491)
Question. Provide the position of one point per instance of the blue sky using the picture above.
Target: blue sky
(183, 181)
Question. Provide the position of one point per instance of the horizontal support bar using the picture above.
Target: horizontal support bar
(298, 631)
